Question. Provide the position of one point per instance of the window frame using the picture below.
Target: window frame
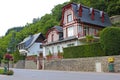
(41, 46)
(70, 31)
(69, 18)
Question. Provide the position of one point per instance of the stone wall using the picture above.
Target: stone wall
(82, 64)
(30, 64)
(115, 19)
(20, 64)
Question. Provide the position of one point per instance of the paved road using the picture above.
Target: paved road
(23, 74)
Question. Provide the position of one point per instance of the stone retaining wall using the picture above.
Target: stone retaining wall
(20, 64)
(115, 19)
(82, 64)
(30, 64)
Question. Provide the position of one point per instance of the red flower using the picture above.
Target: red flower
(8, 56)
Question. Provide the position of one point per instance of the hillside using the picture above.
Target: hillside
(16, 29)
(49, 20)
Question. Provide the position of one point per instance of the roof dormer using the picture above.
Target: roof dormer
(92, 13)
(102, 16)
(80, 10)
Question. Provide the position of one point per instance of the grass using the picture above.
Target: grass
(1, 71)
(10, 72)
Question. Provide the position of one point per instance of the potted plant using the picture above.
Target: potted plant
(89, 38)
(7, 58)
(60, 55)
(49, 56)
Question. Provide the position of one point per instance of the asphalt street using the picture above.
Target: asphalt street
(26, 74)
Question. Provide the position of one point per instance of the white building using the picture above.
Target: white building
(32, 45)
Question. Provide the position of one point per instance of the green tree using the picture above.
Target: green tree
(110, 40)
(16, 56)
(84, 2)
(12, 44)
(57, 11)
(113, 8)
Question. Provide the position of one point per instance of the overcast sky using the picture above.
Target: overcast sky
(19, 12)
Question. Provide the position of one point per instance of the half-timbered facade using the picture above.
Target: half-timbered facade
(77, 22)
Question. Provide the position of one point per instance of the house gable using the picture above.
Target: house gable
(40, 39)
(32, 44)
(29, 41)
(67, 13)
(54, 34)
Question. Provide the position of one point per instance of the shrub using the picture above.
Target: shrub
(10, 72)
(110, 40)
(89, 50)
(17, 56)
(89, 38)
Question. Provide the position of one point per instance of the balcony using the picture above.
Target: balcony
(82, 37)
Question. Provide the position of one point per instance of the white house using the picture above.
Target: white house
(32, 45)
(77, 22)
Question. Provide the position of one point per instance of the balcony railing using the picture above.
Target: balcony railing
(81, 36)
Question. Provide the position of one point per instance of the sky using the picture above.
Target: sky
(14, 13)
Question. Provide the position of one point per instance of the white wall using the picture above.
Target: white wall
(35, 49)
(62, 45)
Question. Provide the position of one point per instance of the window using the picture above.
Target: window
(69, 18)
(52, 37)
(91, 31)
(41, 46)
(47, 49)
(52, 50)
(58, 48)
(80, 29)
(70, 31)
(86, 30)
(96, 31)
(69, 45)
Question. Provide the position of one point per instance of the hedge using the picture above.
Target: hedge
(89, 50)
(110, 40)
